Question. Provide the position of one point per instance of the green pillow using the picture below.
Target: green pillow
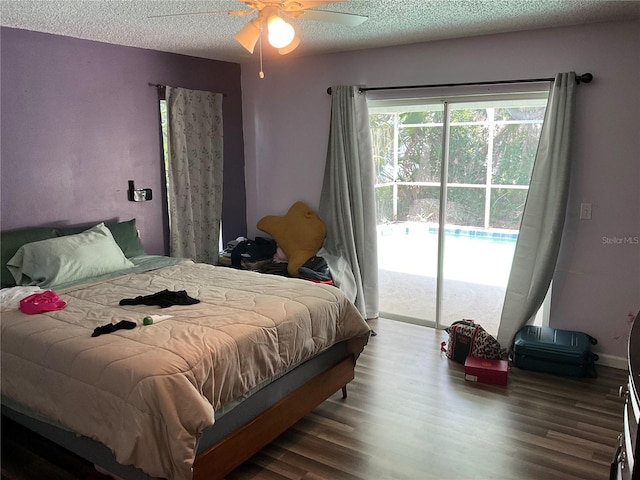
(126, 236)
(68, 259)
(64, 231)
(124, 233)
(10, 242)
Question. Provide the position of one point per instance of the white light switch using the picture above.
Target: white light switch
(585, 211)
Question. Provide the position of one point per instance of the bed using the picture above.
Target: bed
(192, 394)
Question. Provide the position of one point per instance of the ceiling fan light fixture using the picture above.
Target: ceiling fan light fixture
(291, 47)
(281, 34)
(249, 35)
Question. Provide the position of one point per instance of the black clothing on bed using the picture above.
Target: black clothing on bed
(165, 298)
(110, 327)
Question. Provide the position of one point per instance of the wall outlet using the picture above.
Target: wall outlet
(585, 211)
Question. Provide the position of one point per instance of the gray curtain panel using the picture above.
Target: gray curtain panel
(347, 202)
(195, 145)
(543, 218)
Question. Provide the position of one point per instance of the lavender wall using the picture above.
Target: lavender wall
(79, 120)
(597, 283)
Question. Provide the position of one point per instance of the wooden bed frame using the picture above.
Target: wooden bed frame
(223, 457)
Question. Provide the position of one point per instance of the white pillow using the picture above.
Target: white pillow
(68, 259)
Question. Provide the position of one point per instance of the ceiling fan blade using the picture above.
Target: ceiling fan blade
(291, 47)
(197, 13)
(312, 3)
(249, 35)
(296, 8)
(348, 19)
(255, 4)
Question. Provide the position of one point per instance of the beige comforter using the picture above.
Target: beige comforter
(148, 393)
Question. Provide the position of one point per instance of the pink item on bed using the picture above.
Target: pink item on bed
(46, 301)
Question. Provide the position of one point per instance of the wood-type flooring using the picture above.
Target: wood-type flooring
(411, 415)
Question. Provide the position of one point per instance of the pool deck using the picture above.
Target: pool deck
(476, 270)
(414, 296)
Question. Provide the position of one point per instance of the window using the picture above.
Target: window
(452, 180)
(165, 157)
(163, 127)
(492, 147)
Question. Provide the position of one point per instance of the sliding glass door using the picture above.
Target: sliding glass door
(452, 180)
(408, 154)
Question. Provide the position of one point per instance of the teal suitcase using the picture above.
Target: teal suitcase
(551, 350)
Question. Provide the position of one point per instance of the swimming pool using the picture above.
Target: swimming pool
(470, 255)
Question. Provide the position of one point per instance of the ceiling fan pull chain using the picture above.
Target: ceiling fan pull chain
(261, 74)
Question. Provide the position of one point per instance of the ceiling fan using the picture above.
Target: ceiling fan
(272, 13)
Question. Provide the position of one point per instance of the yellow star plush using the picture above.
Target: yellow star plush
(299, 234)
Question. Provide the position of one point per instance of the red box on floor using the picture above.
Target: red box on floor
(484, 370)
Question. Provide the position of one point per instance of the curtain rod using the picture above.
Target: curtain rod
(584, 78)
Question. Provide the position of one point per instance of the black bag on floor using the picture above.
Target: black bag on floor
(254, 250)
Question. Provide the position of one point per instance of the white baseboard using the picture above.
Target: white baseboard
(612, 361)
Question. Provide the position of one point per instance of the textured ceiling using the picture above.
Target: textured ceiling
(391, 22)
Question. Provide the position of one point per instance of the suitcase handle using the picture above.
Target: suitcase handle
(593, 341)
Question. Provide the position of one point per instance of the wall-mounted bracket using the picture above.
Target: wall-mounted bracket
(138, 194)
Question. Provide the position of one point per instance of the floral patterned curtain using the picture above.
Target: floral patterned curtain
(195, 145)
